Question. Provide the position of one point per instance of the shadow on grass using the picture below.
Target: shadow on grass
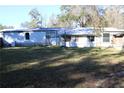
(85, 73)
(15, 56)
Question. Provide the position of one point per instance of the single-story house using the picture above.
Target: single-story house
(86, 37)
(75, 37)
(28, 37)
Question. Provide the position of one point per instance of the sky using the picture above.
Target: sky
(15, 15)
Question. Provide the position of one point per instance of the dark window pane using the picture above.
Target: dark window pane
(106, 37)
(91, 38)
(27, 37)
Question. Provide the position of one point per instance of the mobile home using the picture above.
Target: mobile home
(28, 37)
(22, 37)
(68, 37)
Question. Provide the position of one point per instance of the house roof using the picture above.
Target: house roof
(67, 31)
(78, 31)
(113, 29)
(88, 31)
(46, 29)
(13, 30)
(34, 29)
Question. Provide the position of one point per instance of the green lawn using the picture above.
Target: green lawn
(61, 67)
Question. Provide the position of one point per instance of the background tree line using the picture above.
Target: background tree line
(89, 15)
(78, 16)
(5, 27)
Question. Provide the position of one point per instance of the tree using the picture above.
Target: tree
(77, 15)
(72, 16)
(114, 16)
(5, 27)
(53, 21)
(91, 16)
(36, 20)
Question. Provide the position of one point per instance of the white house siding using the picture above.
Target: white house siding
(97, 41)
(1, 34)
(18, 38)
(82, 41)
(54, 41)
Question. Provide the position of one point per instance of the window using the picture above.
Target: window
(27, 37)
(106, 37)
(91, 38)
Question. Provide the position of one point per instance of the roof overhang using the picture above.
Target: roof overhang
(119, 35)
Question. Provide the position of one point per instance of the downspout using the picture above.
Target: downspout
(56, 38)
(65, 38)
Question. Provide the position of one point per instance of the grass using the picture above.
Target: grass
(60, 67)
